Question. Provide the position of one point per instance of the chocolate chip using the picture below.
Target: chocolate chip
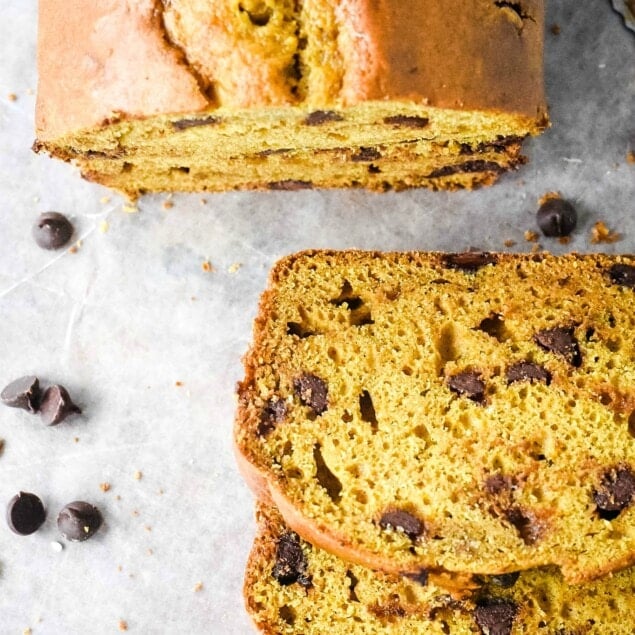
(78, 521)
(556, 217)
(468, 167)
(623, 274)
(526, 524)
(366, 154)
(291, 564)
(52, 230)
(318, 117)
(25, 514)
(184, 124)
(56, 405)
(468, 261)
(560, 340)
(290, 185)
(467, 384)
(273, 414)
(527, 371)
(402, 521)
(421, 577)
(615, 492)
(408, 121)
(22, 393)
(496, 484)
(312, 391)
(505, 580)
(495, 616)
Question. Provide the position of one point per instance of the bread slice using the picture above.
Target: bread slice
(470, 413)
(292, 587)
(201, 95)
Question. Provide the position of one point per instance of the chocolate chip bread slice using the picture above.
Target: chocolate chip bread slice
(469, 413)
(286, 94)
(293, 587)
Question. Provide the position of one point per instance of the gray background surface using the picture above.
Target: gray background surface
(132, 312)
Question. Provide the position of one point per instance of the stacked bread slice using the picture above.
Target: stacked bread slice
(462, 423)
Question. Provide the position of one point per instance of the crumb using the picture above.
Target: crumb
(235, 267)
(104, 487)
(198, 587)
(509, 242)
(30, 91)
(104, 226)
(76, 439)
(73, 249)
(123, 625)
(104, 199)
(207, 266)
(193, 298)
(161, 492)
(150, 552)
(548, 197)
(1, 445)
(134, 512)
(138, 475)
(203, 201)
(12, 97)
(600, 233)
(564, 240)
(147, 528)
(118, 498)
(178, 384)
(57, 547)
(130, 209)
(630, 157)
(27, 631)
(535, 248)
(167, 204)
(555, 29)
(531, 236)
(119, 568)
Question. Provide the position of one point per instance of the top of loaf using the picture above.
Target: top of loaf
(115, 59)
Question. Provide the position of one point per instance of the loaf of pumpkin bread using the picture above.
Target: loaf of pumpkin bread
(151, 95)
(292, 587)
(468, 413)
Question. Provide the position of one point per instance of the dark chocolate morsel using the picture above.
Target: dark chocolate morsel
(468, 384)
(421, 577)
(504, 580)
(273, 413)
(468, 261)
(25, 514)
(408, 121)
(184, 124)
(527, 371)
(467, 167)
(78, 521)
(22, 393)
(312, 391)
(290, 185)
(556, 217)
(366, 154)
(562, 341)
(402, 521)
(52, 230)
(616, 492)
(318, 117)
(623, 274)
(291, 564)
(56, 405)
(496, 484)
(495, 616)
(526, 524)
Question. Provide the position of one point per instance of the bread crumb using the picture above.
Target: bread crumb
(123, 625)
(27, 631)
(12, 97)
(138, 475)
(564, 240)
(535, 248)
(76, 439)
(178, 384)
(555, 29)
(531, 236)
(235, 267)
(119, 568)
(30, 91)
(130, 209)
(147, 528)
(630, 157)
(509, 242)
(161, 492)
(150, 552)
(600, 233)
(104, 226)
(167, 204)
(73, 249)
(198, 587)
(117, 498)
(203, 201)
(134, 512)
(207, 266)
(104, 199)
(548, 197)
(104, 487)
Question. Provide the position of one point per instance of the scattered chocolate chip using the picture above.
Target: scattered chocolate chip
(366, 154)
(290, 185)
(184, 124)
(78, 521)
(409, 121)
(527, 371)
(22, 393)
(402, 521)
(556, 217)
(505, 580)
(560, 340)
(468, 261)
(56, 405)
(467, 384)
(495, 616)
(421, 577)
(615, 493)
(526, 524)
(623, 274)
(52, 230)
(312, 391)
(318, 117)
(273, 414)
(468, 167)
(291, 564)
(25, 514)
